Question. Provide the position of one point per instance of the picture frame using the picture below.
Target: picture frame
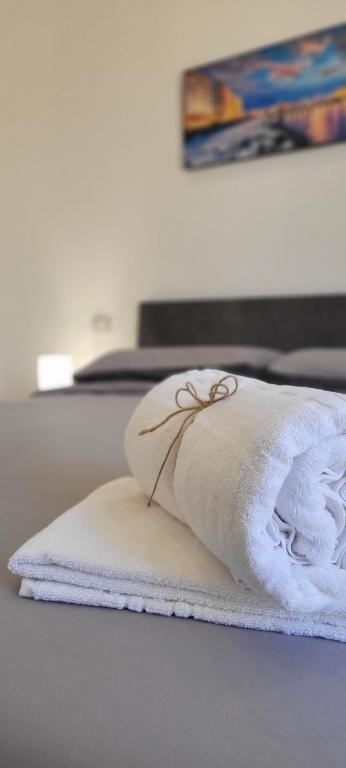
(283, 97)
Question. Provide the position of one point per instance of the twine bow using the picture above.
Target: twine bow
(217, 392)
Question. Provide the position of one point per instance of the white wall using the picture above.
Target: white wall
(96, 211)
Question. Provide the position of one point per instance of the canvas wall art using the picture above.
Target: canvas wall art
(288, 96)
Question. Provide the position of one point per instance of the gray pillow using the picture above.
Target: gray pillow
(155, 363)
(315, 363)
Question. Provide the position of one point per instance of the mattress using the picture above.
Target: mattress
(87, 686)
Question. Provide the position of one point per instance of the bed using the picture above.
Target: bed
(85, 686)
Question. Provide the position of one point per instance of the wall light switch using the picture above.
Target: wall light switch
(102, 322)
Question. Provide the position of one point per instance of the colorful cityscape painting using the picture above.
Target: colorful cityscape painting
(284, 97)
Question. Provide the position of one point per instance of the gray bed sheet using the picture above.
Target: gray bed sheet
(83, 687)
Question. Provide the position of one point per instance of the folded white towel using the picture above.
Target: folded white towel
(111, 550)
(258, 478)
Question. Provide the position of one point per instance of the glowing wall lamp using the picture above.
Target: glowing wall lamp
(54, 371)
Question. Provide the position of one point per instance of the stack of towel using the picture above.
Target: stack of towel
(247, 524)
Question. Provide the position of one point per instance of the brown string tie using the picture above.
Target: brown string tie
(217, 392)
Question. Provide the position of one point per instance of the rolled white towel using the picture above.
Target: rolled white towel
(260, 477)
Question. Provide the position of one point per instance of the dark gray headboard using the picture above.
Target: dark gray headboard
(283, 323)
